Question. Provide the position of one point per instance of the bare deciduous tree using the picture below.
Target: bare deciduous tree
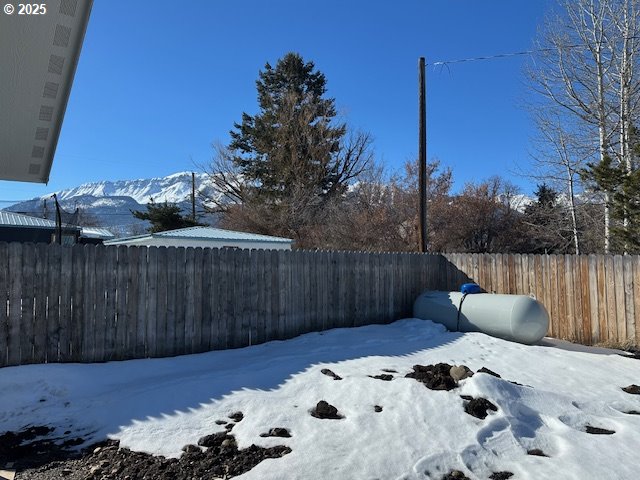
(586, 69)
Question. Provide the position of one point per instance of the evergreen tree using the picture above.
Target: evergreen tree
(287, 168)
(623, 187)
(164, 216)
(291, 144)
(627, 206)
(546, 219)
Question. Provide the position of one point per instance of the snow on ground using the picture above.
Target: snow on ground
(160, 405)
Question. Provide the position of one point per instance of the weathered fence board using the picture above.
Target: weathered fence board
(96, 303)
(40, 310)
(4, 303)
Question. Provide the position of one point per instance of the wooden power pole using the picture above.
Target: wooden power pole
(422, 154)
(193, 196)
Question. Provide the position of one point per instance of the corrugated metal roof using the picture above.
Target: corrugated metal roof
(207, 233)
(219, 234)
(11, 219)
(95, 232)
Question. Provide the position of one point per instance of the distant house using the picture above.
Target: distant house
(16, 227)
(205, 237)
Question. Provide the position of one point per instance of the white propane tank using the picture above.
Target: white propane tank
(518, 318)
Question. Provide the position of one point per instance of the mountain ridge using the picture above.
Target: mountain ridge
(109, 203)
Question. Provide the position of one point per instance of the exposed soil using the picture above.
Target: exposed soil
(385, 376)
(106, 461)
(500, 475)
(325, 410)
(455, 475)
(478, 407)
(632, 389)
(489, 372)
(237, 416)
(434, 377)
(34, 446)
(598, 430)
(277, 432)
(329, 373)
(537, 452)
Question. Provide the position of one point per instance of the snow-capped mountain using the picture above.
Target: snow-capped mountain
(109, 203)
(174, 188)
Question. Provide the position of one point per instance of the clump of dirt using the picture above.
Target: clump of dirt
(329, 373)
(325, 410)
(455, 475)
(377, 408)
(598, 431)
(537, 452)
(277, 432)
(500, 475)
(434, 377)
(389, 370)
(237, 416)
(386, 377)
(220, 459)
(489, 372)
(478, 407)
(632, 389)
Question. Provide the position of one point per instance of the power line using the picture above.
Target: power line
(514, 54)
(489, 57)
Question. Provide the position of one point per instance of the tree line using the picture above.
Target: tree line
(294, 170)
(585, 75)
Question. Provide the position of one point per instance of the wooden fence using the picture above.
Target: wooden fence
(590, 298)
(95, 303)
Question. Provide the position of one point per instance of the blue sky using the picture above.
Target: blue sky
(159, 81)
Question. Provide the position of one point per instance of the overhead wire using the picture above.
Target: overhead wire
(512, 54)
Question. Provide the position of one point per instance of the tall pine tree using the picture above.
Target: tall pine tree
(294, 157)
(292, 143)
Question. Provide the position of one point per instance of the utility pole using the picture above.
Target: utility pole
(422, 153)
(58, 221)
(193, 196)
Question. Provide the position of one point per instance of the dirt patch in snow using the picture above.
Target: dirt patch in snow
(434, 377)
(455, 475)
(478, 407)
(500, 475)
(329, 373)
(220, 458)
(325, 410)
(632, 389)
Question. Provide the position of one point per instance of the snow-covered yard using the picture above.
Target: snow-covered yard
(160, 405)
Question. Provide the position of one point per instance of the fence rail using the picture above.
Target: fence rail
(90, 303)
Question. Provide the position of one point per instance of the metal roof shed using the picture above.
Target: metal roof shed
(205, 237)
(15, 227)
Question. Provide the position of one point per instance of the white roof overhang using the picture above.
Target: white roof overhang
(38, 58)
